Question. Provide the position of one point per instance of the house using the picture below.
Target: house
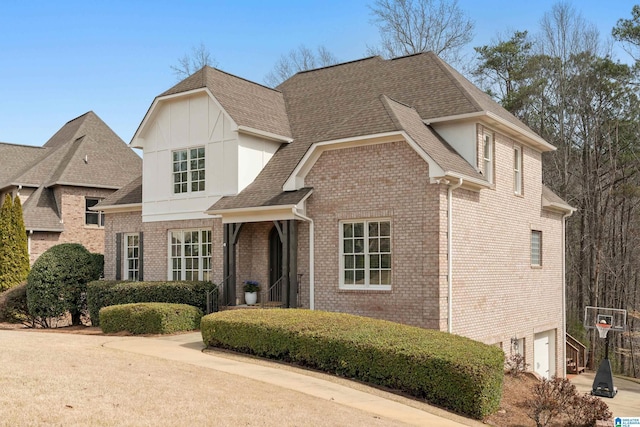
(84, 162)
(393, 189)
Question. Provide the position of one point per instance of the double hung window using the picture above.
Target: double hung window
(132, 256)
(188, 170)
(190, 255)
(365, 254)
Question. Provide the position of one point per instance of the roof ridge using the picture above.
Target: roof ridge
(338, 65)
(237, 77)
(440, 64)
(64, 161)
(20, 145)
(80, 116)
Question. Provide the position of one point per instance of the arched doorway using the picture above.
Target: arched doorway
(275, 265)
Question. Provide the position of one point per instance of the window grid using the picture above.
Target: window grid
(366, 253)
(517, 171)
(132, 261)
(488, 157)
(536, 248)
(190, 255)
(93, 217)
(188, 170)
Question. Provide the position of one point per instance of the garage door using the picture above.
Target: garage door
(544, 351)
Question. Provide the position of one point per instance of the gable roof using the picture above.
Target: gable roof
(85, 152)
(368, 97)
(249, 104)
(130, 194)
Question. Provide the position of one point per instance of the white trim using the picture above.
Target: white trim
(296, 179)
(517, 170)
(528, 137)
(263, 134)
(260, 213)
(312, 277)
(131, 207)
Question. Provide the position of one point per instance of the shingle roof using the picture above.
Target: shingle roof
(40, 211)
(127, 195)
(85, 152)
(248, 103)
(345, 100)
(92, 155)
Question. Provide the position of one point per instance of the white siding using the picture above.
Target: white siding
(462, 137)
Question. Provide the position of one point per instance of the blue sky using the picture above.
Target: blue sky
(60, 59)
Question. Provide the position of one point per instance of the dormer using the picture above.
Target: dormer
(207, 137)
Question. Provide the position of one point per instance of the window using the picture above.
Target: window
(365, 259)
(190, 255)
(536, 248)
(132, 256)
(488, 157)
(93, 217)
(188, 170)
(517, 171)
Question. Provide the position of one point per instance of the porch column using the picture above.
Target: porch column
(290, 263)
(231, 232)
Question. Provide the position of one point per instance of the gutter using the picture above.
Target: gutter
(312, 286)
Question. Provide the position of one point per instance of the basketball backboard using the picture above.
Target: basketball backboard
(615, 317)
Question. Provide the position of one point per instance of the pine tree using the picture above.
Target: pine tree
(6, 244)
(22, 245)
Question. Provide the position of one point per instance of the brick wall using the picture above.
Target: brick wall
(71, 203)
(379, 181)
(120, 222)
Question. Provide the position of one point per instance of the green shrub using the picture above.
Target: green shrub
(98, 265)
(150, 318)
(447, 370)
(58, 281)
(103, 293)
(13, 305)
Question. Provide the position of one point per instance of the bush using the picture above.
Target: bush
(558, 396)
(58, 281)
(97, 265)
(150, 318)
(104, 293)
(448, 370)
(13, 305)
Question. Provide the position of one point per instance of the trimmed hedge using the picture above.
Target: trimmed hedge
(13, 304)
(103, 293)
(447, 370)
(150, 318)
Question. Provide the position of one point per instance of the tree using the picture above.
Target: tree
(7, 245)
(413, 26)
(21, 252)
(190, 63)
(299, 59)
(627, 31)
(58, 281)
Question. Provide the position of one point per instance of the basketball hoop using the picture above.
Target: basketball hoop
(603, 328)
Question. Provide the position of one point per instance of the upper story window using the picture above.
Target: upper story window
(188, 170)
(92, 217)
(487, 156)
(365, 258)
(517, 171)
(536, 248)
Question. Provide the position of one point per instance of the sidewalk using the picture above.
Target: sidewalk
(624, 404)
(187, 348)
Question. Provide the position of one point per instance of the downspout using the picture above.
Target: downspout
(564, 293)
(312, 287)
(450, 253)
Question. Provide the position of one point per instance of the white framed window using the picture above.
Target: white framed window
(92, 217)
(536, 248)
(365, 254)
(487, 156)
(132, 256)
(188, 170)
(517, 171)
(190, 254)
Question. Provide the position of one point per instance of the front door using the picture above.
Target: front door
(275, 265)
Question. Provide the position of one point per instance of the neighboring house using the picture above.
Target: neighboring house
(387, 188)
(84, 162)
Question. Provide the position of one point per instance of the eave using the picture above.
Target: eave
(131, 207)
(500, 124)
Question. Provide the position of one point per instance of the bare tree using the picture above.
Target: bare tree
(299, 59)
(413, 26)
(190, 63)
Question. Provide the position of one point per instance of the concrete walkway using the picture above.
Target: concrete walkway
(624, 404)
(188, 348)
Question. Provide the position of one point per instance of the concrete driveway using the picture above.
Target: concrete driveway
(625, 404)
